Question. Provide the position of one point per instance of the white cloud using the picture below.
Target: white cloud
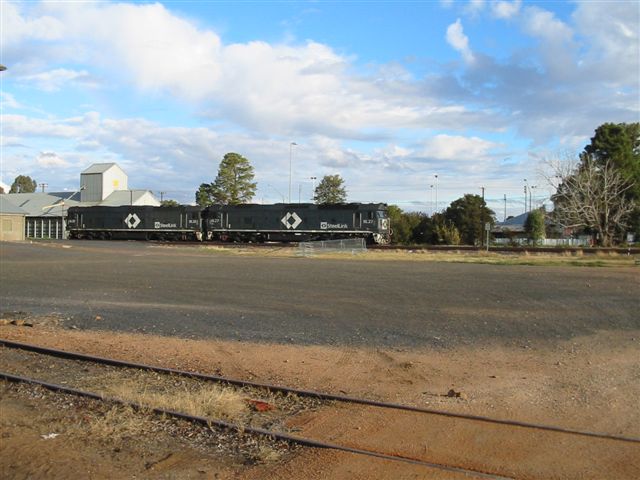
(504, 9)
(16, 27)
(8, 101)
(474, 7)
(51, 160)
(283, 89)
(544, 24)
(7, 141)
(458, 40)
(54, 80)
(23, 126)
(457, 148)
(557, 50)
(612, 32)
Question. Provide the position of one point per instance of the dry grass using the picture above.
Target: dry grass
(267, 454)
(210, 401)
(576, 258)
(525, 258)
(116, 424)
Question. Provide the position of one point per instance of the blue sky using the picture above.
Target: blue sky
(386, 94)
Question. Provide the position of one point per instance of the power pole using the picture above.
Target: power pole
(42, 186)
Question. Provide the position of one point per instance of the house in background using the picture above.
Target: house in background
(512, 232)
(104, 184)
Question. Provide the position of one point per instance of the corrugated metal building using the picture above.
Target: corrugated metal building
(100, 184)
(45, 212)
(11, 220)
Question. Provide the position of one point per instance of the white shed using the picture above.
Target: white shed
(100, 180)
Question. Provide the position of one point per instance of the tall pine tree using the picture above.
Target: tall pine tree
(234, 184)
(330, 190)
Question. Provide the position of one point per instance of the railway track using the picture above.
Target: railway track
(438, 248)
(616, 448)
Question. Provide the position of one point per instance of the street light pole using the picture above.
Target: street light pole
(313, 192)
(482, 220)
(525, 195)
(531, 194)
(505, 208)
(431, 199)
(290, 163)
(436, 193)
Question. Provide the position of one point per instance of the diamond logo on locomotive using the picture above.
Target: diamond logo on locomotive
(291, 220)
(132, 220)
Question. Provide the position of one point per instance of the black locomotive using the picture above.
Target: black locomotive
(282, 222)
(135, 223)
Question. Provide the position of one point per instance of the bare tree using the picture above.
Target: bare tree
(590, 195)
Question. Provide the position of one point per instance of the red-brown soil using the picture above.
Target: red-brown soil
(588, 383)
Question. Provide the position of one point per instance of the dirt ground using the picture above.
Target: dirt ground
(587, 383)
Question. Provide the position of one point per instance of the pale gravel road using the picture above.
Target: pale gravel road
(136, 286)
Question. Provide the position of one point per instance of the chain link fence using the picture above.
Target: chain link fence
(354, 246)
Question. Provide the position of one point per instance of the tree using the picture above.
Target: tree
(169, 203)
(424, 232)
(330, 190)
(234, 184)
(593, 196)
(534, 226)
(447, 233)
(1, 190)
(620, 145)
(23, 184)
(404, 225)
(437, 230)
(469, 214)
